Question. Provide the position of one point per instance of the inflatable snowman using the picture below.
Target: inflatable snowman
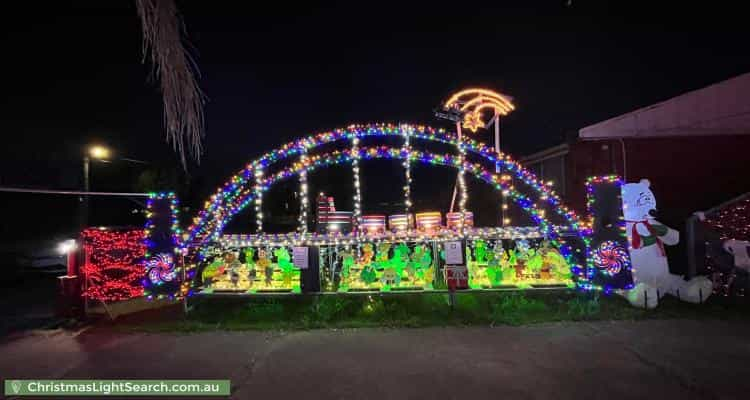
(646, 239)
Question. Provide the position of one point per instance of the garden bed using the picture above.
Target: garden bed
(415, 310)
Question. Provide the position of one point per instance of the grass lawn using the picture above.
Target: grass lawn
(415, 310)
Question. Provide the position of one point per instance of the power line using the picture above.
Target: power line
(70, 192)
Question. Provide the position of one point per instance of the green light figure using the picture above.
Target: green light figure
(421, 261)
(347, 260)
(250, 262)
(368, 274)
(494, 270)
(534, 261)
(480, 251)
(425, 264)
(400, 259)
(383, 250)
(284, 261)
(250, 257)
(264, 262)
(367, 254)
(212, 270)
(414, 265)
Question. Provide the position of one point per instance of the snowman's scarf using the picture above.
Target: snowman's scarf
(636, 242)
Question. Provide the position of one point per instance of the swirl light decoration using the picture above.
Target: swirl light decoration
(163, 239)
(600, 268)
(161, 268)
(611, 258)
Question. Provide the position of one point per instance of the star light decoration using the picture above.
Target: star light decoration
(472, 103)
(473, 121)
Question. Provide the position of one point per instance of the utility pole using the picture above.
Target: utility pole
(455, 187)
(84, 199)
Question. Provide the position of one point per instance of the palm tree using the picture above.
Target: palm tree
(176, 71)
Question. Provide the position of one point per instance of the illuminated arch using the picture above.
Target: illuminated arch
(385, 152)
(236, 193)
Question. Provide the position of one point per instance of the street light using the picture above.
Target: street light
(96, 152)
(101, 153)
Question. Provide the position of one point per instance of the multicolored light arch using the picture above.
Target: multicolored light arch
(236, 194)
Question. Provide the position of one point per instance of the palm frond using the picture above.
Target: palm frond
(177, 74)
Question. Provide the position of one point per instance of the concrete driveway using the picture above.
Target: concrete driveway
(667, 359)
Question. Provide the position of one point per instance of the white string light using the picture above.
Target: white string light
(303, 197)
(504, 213)
(357, 217)
(258, 192)
(349, 239)
(463, 196)
(406, 150)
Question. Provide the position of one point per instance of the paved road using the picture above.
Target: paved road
(603, 360)
(28, 303)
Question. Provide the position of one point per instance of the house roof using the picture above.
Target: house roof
(551, 152)
(720, 109)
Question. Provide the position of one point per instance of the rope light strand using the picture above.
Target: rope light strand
(355, 156)
(406, 152)
(303, 194)
(462, 195)
(258, 190)
(238, 192)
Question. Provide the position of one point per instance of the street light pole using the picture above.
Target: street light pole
(99, 153)
(84, 217)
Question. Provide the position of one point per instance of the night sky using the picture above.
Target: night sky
(72, 75)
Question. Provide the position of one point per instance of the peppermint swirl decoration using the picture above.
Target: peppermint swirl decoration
(611, 257)
(160, 269)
